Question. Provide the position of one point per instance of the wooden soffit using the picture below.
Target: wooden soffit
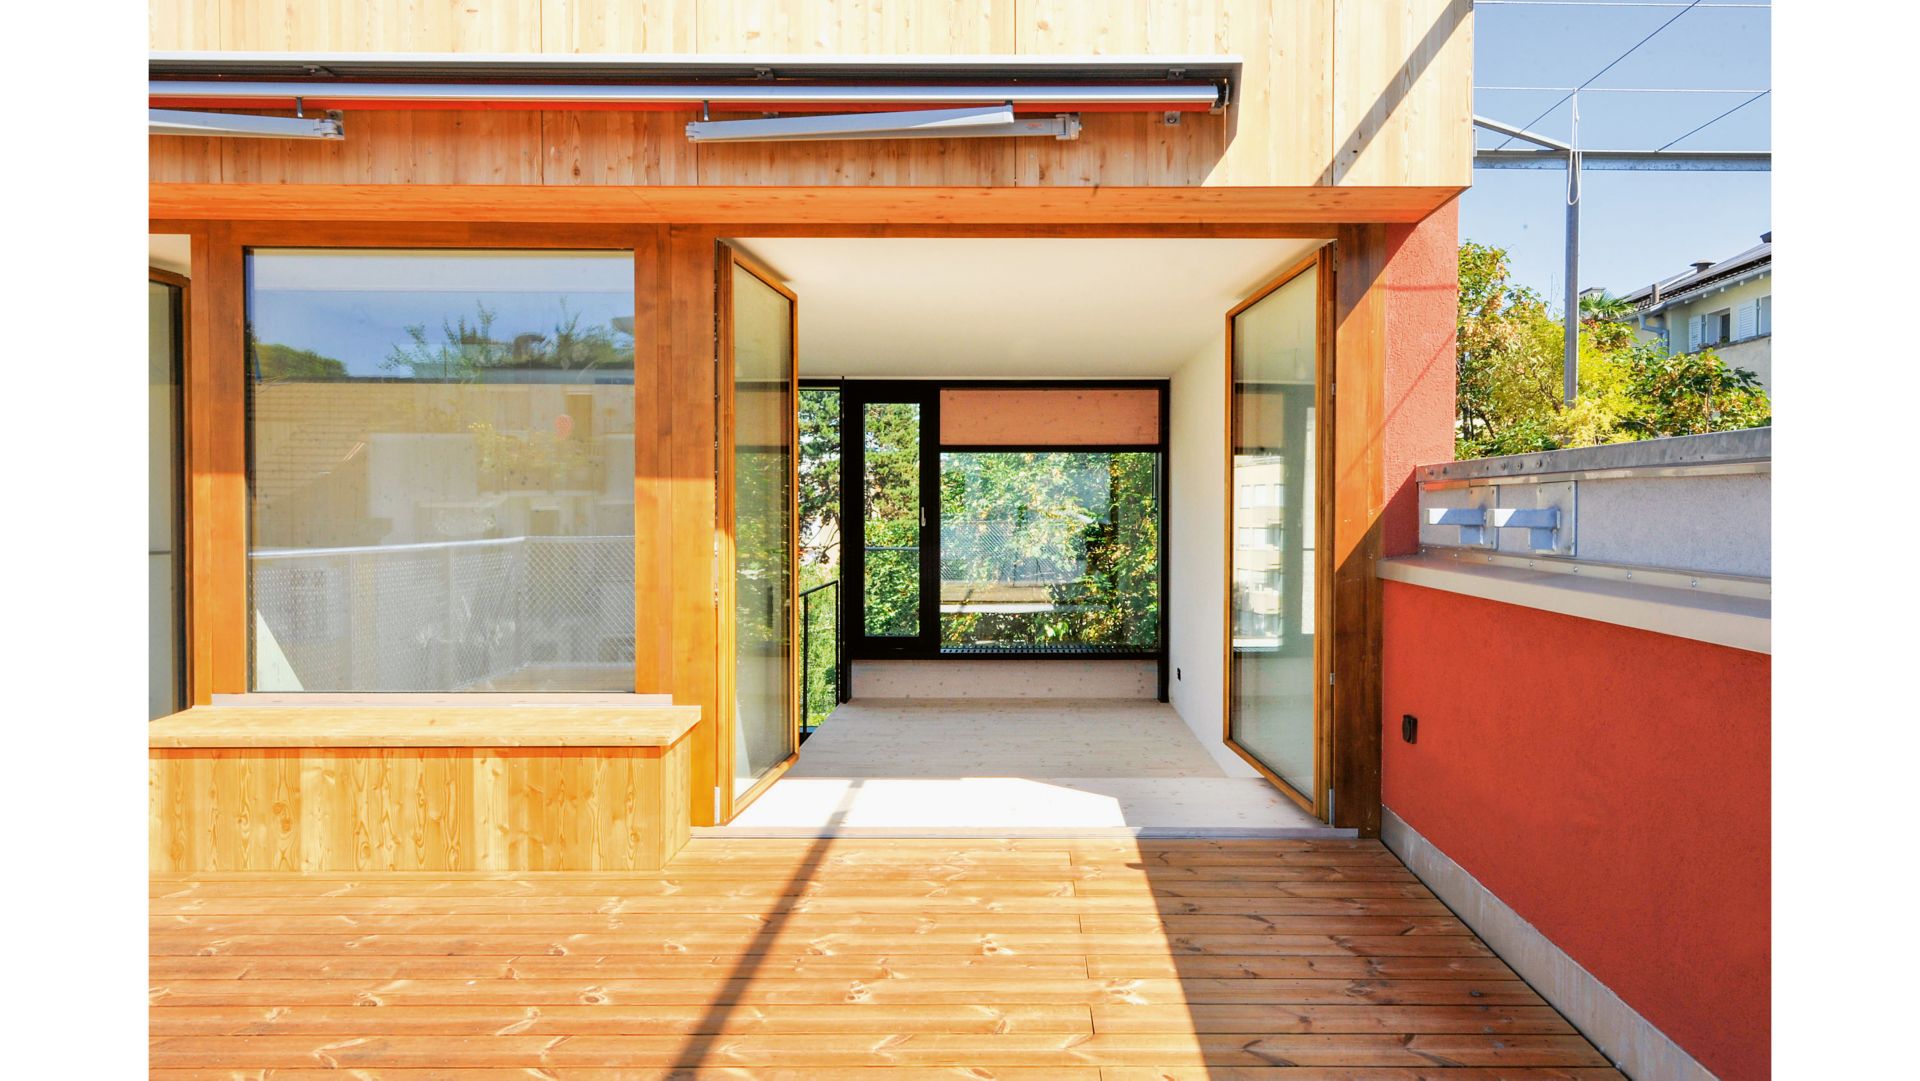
(797, 205)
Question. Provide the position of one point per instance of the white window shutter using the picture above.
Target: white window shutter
(1696, 329)
(1746, 320)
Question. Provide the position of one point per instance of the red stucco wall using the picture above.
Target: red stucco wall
(1422, 279)
(1611, 785)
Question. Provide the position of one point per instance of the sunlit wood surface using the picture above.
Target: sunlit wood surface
(1074, 958)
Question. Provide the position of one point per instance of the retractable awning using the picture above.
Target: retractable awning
(765, 84)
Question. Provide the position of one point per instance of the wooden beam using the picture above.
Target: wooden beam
(652, 463)
(1358, 423)
(692, 613)
(800, 205)
(216, 453)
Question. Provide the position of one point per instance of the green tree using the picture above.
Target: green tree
(1509, 371)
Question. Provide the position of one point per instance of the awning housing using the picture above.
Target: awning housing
(768, 84)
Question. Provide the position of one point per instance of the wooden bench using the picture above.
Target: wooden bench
(418, 785)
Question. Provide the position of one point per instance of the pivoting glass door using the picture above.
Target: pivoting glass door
(758, 485)
(1276, 656)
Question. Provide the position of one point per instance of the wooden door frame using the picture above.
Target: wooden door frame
(1321, 261)
(183, 529)
(727, 258)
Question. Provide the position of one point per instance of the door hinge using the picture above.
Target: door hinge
(1329, 806)
(716, 805)
(1329, 679)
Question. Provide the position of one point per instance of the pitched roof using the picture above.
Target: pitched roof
(1669, 289)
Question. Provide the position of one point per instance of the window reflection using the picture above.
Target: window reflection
(1050, 550)
(1271, 703)
(441, 484)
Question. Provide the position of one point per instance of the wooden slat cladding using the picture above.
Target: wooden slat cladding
(960, 958)
(416, 809)
(1332, 92)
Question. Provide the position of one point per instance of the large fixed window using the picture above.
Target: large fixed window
(441, 449)
(1021, 519)
(1049, 550)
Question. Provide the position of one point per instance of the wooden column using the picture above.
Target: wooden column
(676, 646)
(216, 454)
(694, 617)
(1358, 500)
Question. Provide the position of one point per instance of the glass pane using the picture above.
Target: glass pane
(1050, 550)
(165, 622)
(1271, 704)
(819, 553)
(892, 525)
(442, 470)
(763, 413)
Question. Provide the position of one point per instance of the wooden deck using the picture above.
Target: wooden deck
(1058, 959)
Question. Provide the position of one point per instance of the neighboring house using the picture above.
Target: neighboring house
(1725, 306)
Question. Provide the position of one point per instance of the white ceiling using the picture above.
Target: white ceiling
(170, 251)
(1015, 307)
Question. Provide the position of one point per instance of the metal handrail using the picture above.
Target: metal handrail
(806, 650)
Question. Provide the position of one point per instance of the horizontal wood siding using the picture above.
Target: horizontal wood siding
(1332, 92)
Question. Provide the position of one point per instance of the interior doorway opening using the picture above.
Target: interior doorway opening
(1014, 592)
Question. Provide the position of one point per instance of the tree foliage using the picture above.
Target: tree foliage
(466, 350)
(1508, 373)
(274, 363)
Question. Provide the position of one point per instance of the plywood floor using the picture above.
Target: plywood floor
(1056, 959)
(1004, 765)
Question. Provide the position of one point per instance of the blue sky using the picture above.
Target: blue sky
(1634, 227)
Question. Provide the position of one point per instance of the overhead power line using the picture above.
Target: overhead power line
(1606, 4)
(1721, 117)
(1631, 89)
(1603, 71)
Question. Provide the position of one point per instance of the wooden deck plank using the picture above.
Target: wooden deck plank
(608, 904)
(816, 923)
(934, 1073)
(668, 1073)
(898, 1049)
(1104, 959)
(1176, 997)
(620, 1020)
(748, 943)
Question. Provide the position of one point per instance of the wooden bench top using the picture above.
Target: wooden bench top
(423, 726)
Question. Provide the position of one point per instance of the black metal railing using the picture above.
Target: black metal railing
(820, 669)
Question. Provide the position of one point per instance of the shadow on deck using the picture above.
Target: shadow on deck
(1065, 959)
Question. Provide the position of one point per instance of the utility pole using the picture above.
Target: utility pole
(1570, 377)
(1555, 154)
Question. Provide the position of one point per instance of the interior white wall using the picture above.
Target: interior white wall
(1014, 307)
(1196, 569)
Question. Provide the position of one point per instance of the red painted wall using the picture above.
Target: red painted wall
(1422, 280)
(1611, 785)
